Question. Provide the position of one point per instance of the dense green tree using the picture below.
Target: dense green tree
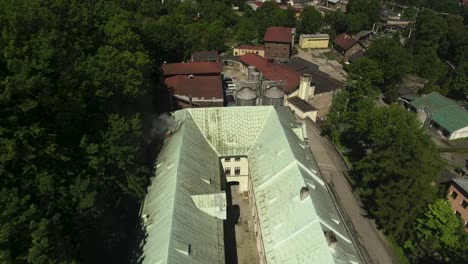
(439, 235)
(310, 21)
(393, 59)
(75, 82)
(428, 65)
(368, 70)
(369, 8)
(399, 169)
(245, 31)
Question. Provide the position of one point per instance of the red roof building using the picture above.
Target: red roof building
(347, 45)
(204, 91)
(273, 71)
(278, 43)
(192, 68)
(279, 34)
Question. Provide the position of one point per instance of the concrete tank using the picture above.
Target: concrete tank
(246, 97)
(250, 70)
(255, 76)
(273, 96)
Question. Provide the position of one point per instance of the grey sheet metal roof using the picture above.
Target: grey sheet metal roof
(172, 219)
(280, 166)
(462, 182)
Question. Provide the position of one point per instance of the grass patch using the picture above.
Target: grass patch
(332, 56)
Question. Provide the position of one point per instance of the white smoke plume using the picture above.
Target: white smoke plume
(160, 126)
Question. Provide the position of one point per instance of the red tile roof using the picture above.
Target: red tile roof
(279, 34)
(250, 47)
(272, 71)
(198, 86)
(345, 41)
(192, 68)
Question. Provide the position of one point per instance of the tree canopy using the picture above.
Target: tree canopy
(76, 82)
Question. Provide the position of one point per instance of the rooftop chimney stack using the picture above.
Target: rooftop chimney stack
(304, 87)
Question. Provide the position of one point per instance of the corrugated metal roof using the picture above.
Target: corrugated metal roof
(280, 166)
(444, 111)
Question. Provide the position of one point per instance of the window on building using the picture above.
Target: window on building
(237, 170)
(237, 159)
(227, 159)
(256, 52)
(227, 171)
(457, 213)
(235, 53)
(453, 194)
(464, 204)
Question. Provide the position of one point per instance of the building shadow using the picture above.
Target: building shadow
(233, 214)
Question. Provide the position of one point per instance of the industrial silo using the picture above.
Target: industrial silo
(255, 76)
(250, 70)
(273, 96)
(246, 97)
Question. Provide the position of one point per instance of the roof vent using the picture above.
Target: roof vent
(331, 238)
(304, 193)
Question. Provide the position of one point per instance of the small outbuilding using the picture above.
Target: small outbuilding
(440, 113)
(314, 41)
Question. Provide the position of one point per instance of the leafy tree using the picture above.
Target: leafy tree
(428, 65)
(369, 8)
(430, 29)
(75, 82)
(245, 31)
(368, 70)
(397, 173)
(310, 21)
(393, 59)
(439, 235)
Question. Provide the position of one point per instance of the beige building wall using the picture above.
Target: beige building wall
(312, 42)
(236, 169)
(240, 52)
(461, 133)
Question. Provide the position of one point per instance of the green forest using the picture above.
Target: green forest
(77, 82)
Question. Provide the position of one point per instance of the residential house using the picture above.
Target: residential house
(346, 45)
(278, 42)
(314, 41)
(439, 113)
(244, 49)
(458, 198)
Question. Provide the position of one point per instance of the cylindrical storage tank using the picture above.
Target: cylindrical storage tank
(250, 69)
(273, 96)
(255, 76)
(246, 97)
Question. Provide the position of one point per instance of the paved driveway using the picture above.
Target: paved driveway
(376, 249)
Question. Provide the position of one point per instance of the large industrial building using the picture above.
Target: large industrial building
(293, 218)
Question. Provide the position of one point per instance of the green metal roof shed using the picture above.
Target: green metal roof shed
(443, 111)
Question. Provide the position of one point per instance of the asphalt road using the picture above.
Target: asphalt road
(372, 241)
